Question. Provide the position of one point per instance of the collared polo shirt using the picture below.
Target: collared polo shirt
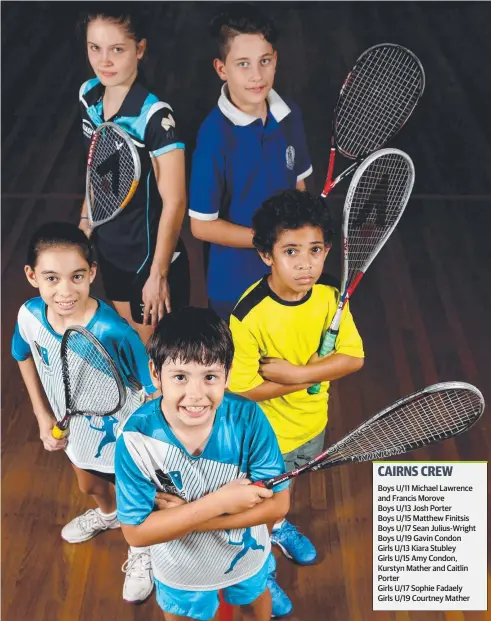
(129, 239)
(238, 163)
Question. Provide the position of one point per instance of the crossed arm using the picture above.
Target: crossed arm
(282, 377)
(236, 505)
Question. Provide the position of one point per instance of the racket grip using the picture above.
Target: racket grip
(326, 347)
(328, 343)
(259, 484)
(59, 434)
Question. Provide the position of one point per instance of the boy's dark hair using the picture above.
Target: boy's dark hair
(192, 335)
(56, 234)
(240, 18)
(289, 210)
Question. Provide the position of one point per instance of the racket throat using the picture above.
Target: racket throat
(353, 285)
(63, 424)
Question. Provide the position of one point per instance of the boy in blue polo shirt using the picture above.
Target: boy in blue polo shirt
(250, 146)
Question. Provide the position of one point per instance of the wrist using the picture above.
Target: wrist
(44, 417)
(158, 270)
(215, 498)
(302, 374)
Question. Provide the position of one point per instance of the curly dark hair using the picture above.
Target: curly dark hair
(240, 18)
(289, 210)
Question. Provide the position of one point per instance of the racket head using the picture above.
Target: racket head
(93, 384)
(375, 201)
(428, 416)
(433, 414)
(376, 99)
(113, 173)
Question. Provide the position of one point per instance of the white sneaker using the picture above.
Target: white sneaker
(138, 584)
(87, 526)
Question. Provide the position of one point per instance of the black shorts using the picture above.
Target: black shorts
(107, 476)
(122, 286)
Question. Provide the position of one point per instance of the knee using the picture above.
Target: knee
(92, 488)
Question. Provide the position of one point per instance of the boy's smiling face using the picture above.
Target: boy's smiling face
(297, 261)
(191, 392)
(249, 70)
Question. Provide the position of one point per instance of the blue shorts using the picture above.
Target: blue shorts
(203, 605)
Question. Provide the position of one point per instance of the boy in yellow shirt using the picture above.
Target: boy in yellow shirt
(277, 327)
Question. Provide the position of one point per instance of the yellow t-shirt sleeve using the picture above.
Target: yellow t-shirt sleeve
(244, 374)
(349, 340)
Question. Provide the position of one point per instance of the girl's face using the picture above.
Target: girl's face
(113, 54)
(63, 278)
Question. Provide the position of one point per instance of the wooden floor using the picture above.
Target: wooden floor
(423, 309)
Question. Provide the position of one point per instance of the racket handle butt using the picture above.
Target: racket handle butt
(59, 434)
(314, 390)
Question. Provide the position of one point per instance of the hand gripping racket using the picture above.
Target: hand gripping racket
(113, 173)
(376, 99)
(431, 415)
(93, 384)
(376, 199)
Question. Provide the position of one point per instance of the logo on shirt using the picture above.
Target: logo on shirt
(87, 128)
(171, 482)
(290, 157)
(43, 355)
(168, 122)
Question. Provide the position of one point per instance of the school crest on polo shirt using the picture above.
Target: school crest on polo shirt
(290, 157)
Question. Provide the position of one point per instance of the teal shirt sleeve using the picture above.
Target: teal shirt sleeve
(265, 458)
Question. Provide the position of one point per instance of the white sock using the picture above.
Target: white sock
(278, 525)
(138, 549)
(107, 516)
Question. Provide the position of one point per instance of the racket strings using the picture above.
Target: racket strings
(375, 206)
(92, 385)
(395, 74)
(419, 422)
(378, 97)
(112, 173)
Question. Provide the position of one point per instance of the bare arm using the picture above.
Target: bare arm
(42, 410)
(222, 232)
(225, 233)
(84, 224)
(270, 390)
(170, 175)
(324, 369)
(283, 378)
(270, 510)
(330, 368)
(162, 526)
